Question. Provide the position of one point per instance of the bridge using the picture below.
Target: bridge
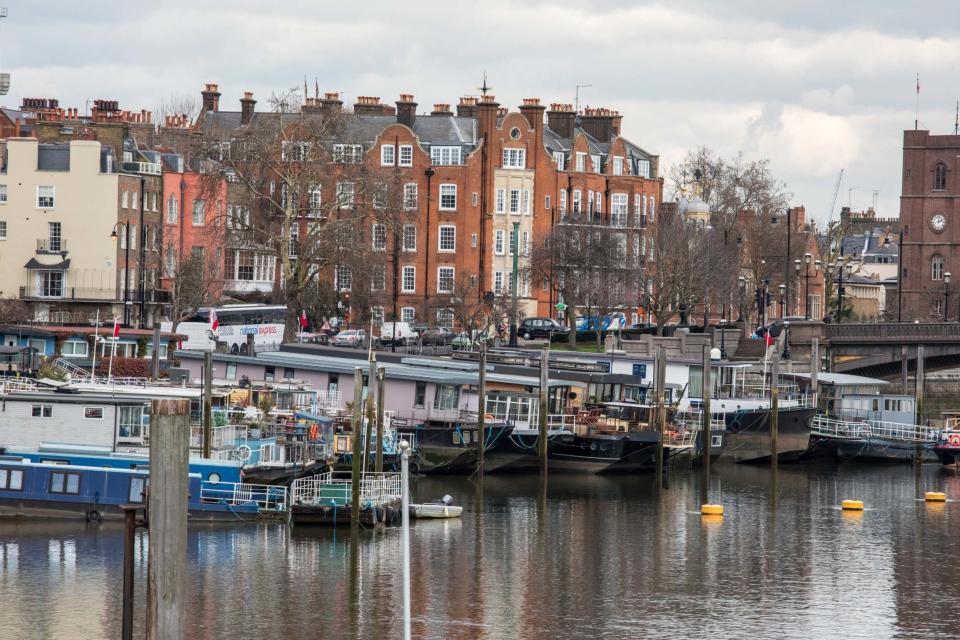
(879, 349)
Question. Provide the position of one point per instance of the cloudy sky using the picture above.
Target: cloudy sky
(816, 86)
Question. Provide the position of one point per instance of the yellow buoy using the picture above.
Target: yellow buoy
(711, 510)
(852, 505)
(935, 496)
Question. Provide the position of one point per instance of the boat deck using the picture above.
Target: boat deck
(326, 499)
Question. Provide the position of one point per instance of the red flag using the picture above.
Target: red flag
(770, 340)
(303, 319)
(116, 328)
(214, 320)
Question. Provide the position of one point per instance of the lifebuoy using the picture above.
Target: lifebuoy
(93, 516)
(244, 452)
(314, 431)
(954, 439)
(488, 417)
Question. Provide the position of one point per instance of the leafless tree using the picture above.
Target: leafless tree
(195, 282)
(13, 311)
(466, 305)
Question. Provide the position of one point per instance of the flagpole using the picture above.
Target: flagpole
(113, 351)
(96, 341)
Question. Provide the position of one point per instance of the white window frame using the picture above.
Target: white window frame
(345, 195)
(498, 282)
(501, 200)
(451, 244)
(581, 159)
(408, 314)
(515, 195)
(577, 201)
(561, 159)
(643, 168)
(404, 271)
(405, 156)
(619, 209)
(451, 192)
(525, 202)
(124, 199)
(73, 352)
(596, 160)
(498, 242)
(618, 165)
(653, 205)
(3, 194)
(199, 206)
(388, 155)
(346, 153)
(451, 277)
(409, 246)
(410, 196)
(514, 158)
(563, 199)
(445, 156)
(49, 193)
(378, 237)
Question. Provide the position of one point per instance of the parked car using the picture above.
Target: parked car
(463, 340)
(532, 328)
(402, 332)
(437, 336)
(350, 338)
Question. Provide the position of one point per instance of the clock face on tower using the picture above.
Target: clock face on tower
(938, 222)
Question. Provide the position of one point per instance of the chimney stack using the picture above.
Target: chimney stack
(211, 98)
(406, 110)
(368, 106)
(487, 109)
(441, 109)
(247, 107)
(533, 112)
(598, 123)
(560, 119)
(467, 107)
(330, 103)
(617, 120)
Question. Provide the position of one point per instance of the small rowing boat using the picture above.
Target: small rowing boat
(441, 508)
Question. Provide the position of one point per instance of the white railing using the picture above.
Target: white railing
(329, 401)
(150, 168)
(375, 488)
(557, 421)
(267, 497)
(220, 437)
(11, 385)
(864, 429)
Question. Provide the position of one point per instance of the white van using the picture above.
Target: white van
(401, 331)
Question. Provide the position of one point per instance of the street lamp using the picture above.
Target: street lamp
(783, 300)
(946, 296)
(776, 220)
(806, 276)
(743, 288)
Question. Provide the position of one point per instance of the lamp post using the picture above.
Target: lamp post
(786, 279)
(126, 268)
(743, 288)
(886, 243)
(946, 296)
(783, 300)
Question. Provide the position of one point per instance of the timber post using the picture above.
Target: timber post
(357, 435)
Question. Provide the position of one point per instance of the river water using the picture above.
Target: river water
(583, 557)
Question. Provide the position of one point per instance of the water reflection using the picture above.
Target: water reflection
(600, 557)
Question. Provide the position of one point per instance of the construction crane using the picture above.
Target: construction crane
(833, 201)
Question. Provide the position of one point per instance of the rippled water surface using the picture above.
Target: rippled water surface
(583, 557)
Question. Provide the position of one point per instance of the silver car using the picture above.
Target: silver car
(350, 338)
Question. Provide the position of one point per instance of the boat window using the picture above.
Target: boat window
(420, 395)
(42, 411)
(64, 482)
(213, 478)
(137, 488)
(446, 397)
(11, 479)
(93, 413)
(49, 461)
(130, 424)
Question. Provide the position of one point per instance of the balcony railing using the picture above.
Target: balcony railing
(48, 246)
(34, 292)
(149, 168)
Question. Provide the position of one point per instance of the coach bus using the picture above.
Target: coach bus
(236, 322)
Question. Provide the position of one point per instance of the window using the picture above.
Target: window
(11, 479)
(563, 200)
(448, 197)
(406, 155)
(133, 236)
(618, 165)
(525, 244)
(446, 397)
(546, 202)
(344, 194)
(93, 413)
(577, 200)
(124, 200)
(590, 208)
(581, 161)
(448, 238)
(595, 160)
(172, 212)
(501, 199)
(388, 155)
(618, 209)
(42, 411)
(936, 267)
(515, 201)
(61, 482)
(198, 212)
(407, 314)
(498, 242)
(75, 349)
(289, 373)
(560, 159)
(46, 196)
(525, 204)
(408, 281)
(599, 201)
(445, 280)
(409, 237)
(376, 315)
(53, 234)
(130, 424)
(653, 203)
(378, 279)
(348, 153)
(515, 158)
(444, 156)
(445, 318)
(315, 200)
(153, 201)
(51, 284)
(940, 177)
(269, 373)
(410, 196)
(3, 194)
(379, 237)
(498, 282)
(3, 229)
(133, 199)
(420, 394)
(293, 244)
(344, 277)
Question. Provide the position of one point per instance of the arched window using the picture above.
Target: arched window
(940, 177)
(936, 267)
(172, 210)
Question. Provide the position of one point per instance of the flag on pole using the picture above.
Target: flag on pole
(769, 339)
(116, 328)
(303, 320)
(214, 320)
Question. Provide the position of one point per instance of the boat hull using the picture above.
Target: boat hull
(747, 435)
(66, 510)
(869, 450)
(947, 456)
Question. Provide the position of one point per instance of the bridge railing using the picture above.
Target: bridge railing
(893, 331)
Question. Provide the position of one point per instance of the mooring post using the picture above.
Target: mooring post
(705, 428)
(482, 406)
(774, 406)
(381, 377)
(129, 541)
(357, 434)
(167, 499)
(370, 412)
(921, 413)
(404, 447)
(544, 382)
(208, 402)
(659, 378)
(815, 372)
(904, 368)
(155, 356)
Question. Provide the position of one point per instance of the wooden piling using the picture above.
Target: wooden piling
(815, 371)
(482, 406)
(904, 368)
(544, 383)
(705, 427)
(208, 402)
(774, 406)
(155, 356)
(371, 394)
(357, 435)
(129, 541)
(169, 486)
(381, 376)
(921, 417)
(660, 366)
